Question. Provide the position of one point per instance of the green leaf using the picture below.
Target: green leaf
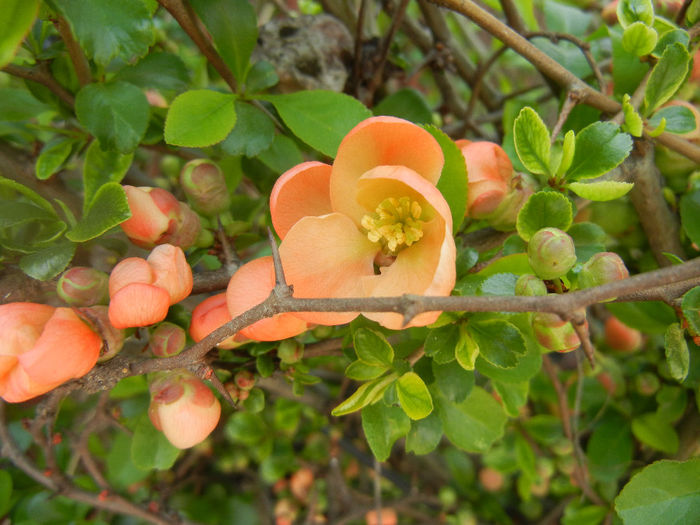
(663, 492)
(631, 11)
(107, 29)
(691, 310)
(639, 39)
(282, 154)
(671, 37)
(649, 317)
(605, 190)
(532, 141)
(383, 425)
(667, 76)
(200, 118)
(466, 351)
(513, 395)
(364, 395)
(425, 435)
(575, 514)
(34, 197)
(413, 395)
(453, 179)
(107, 209)
(158, 70)
(233, 27)
(679, 119)
(48, 262)
(360, 371)
(246, 428)
(320, 118)
(610, 448)
(544, 209)
(16, 21)
(265, 365)
(19, 104)
(150, 449)
(600, 147)
(261, 76)
(628, 71)
(6, 491)
(652, 430)
(372, 348)
(406, 103)
(255, 402)
(441, 342)
(677, 354)
(690, 215)
(52, 157)
(500, 343)
(453, 381)
(253, 132)
(475, 423)
(568, 149)
(633, 122)
(115, 113)
(101, 167)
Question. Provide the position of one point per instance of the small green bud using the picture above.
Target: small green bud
(205, 186)
(602, 268)
(83, 286)
(551, 253)
(528, 284)
(290, 351)
(167, 340)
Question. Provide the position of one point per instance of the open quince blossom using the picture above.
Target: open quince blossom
(142, 290)
(371, 225)
(41, 347)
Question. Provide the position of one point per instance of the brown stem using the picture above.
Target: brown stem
(572, 98)
(77, 56)
(41, 76)
(510, 10)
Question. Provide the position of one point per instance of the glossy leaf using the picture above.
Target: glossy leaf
(48, 262)
(150, 449)
(441, 342)
(605, 190)
(532, 142)
(52, 157)
(16, 21)
(666, 77)
(413, 396)
(679, 119)
(513, 396)
(600, 147)
(361, 371)
(383, 425)
(253, 132)
(425, 435)
(159, 70)
(677, 354)
(107, 209)
(406, 103)
(466, 351)
(372, 348)
(453, 380)
(115, 113)
(199, 118)
(631, 11)
(634, 125)
(639, 39)
(544, 209)
(364, 395)
(101, 167)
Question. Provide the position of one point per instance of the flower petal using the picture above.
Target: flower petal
(21, 325)
(301, 191)
(147, 222)
(489, 171)
(381, 141)
(138, 304)
(17, 387)
(326, 257)
(171, 271)
(250, 286)
(67, 349)
(209, 315)
(130, 270)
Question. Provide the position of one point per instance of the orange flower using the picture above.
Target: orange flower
(141, 291)
(42, 347)
(371, 225)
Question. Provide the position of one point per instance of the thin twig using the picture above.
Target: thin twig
(572, 98)
(75, 52)
(41, 76)
(580, 325)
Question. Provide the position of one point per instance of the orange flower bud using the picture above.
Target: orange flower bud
(489, 171)
(83, 286)
(183, 408)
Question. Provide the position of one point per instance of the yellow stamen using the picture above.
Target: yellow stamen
(396, 224)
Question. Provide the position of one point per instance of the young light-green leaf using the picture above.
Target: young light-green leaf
(532, 141)
(361, 371)
(677, 354)
(364, 395)
(600, 147)
(115, 113)
(500, 343)
(568, 149)
(101, 167)
(453, 179)
(372, 348)
(639, 39)
(383, 425)
(466, 351)
(634, 124)
(605, 190)
(667, 76)
(108, 208)
(413, 396)
(200, 118)
(544, 209)
(631, 11)
(318, 117)
(16, 21)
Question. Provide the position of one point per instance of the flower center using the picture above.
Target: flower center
(396, 224)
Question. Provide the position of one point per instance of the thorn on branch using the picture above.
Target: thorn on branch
(282, 289)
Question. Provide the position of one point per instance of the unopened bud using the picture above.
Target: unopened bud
(83, 286)
(244, 379)
(551, 253)
(290, 351)
(167, 340)
(602, 268)
(530, 285)
(554, 333)
(205, 186)
(619, 336)
(504, 217)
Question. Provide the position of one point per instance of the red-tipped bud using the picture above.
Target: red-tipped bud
(554, 333)
(83, 286)
(619, 336)
(387, 516)
(205, 186)
(183, 408)
(489, 172)
(157, 217)
(167, 340)
(244, 379)
(301, 482)
(290, 351)
(491, 479)
(530, 285)
(551, 253)
(112, 338)
(602, 268)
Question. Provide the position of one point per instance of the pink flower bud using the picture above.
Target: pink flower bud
(183, 408)
(83, 286)
(529, 285)
(290, 351)
(551, 253)
(504, 217)
(244, 379)
(167, 340)
(489, 171)
(209, 315)
(602, 268)
(141, 291)
(205, 186)
(42, 347)
(157, 217)
(554, 333)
